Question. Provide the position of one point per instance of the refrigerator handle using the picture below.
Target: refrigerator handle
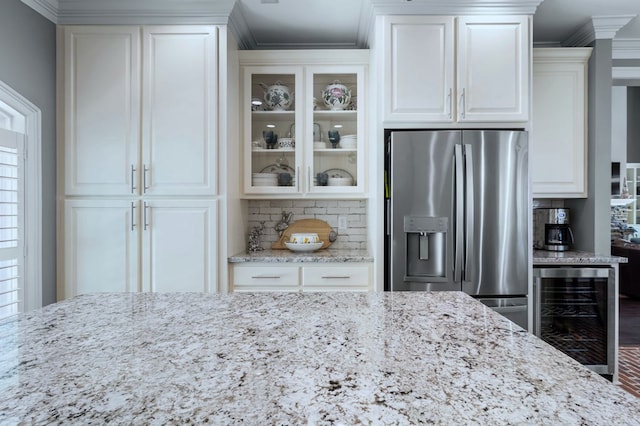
(469, 220)
(459, 210)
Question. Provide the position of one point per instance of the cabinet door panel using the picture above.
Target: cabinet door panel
(100, 246)
(179, 246)
(419, 68)
(179, 110)
(493, 72)
(102, 104)
(558, 143)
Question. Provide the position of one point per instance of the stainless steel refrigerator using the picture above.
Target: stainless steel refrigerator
(457, 209)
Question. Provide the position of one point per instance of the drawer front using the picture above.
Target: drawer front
(337, 278)
(262, 278)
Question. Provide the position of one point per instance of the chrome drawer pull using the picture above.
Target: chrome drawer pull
(275, 277)
(329, 277)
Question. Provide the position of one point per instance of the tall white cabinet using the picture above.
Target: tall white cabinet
(559, 138)
(456, 69)
(138, 158)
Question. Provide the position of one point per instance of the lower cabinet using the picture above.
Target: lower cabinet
(300, 277)
(151, 245)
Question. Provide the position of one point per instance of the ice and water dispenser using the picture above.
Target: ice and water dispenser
(426, 239)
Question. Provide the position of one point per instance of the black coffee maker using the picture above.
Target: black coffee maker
(552, 231)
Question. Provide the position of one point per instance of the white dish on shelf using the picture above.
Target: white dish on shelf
(303, 247)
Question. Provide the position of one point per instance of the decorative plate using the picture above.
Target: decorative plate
(303, 247)
(274, 168)
(338, 173)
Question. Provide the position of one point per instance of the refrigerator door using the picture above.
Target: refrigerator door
(496, 242)
(422, 210)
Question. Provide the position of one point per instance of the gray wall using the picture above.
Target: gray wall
(591, 217)
(27, 65)
(633, 124)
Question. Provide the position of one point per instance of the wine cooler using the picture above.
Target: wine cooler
(575, 311)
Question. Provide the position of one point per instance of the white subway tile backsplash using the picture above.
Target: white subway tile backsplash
(270, 212)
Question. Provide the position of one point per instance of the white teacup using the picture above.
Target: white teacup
(304, 238)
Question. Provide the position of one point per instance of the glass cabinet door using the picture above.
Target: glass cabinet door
(334, 130)
(272, 114)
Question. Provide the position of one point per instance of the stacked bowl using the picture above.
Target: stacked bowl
(264, 179)
(349, 142)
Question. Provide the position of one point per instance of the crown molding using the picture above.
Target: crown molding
(625, 73)
(600, 27)
(114, 12)
(628, 48)
(561, 54)
(46, 8)
(455, 7)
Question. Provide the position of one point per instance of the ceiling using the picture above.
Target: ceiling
(340, 23)
(297, 24)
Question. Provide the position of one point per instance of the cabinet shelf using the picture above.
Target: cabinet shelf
(336, 151)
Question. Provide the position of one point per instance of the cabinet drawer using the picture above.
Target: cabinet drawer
(348, 277)
(261, 278)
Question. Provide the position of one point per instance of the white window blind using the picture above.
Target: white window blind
(11, 223)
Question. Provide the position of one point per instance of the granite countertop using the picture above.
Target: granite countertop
(286, 256)
(544, 257)
(290, 359)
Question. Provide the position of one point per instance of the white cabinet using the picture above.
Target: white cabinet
(138, 155)
(101, 248)
(303, 162)
(101, 109)
(558, 143)
(139, 111)
(110, 244)
(179, 245)
(179, 110)
(301, 277)
(483, 77)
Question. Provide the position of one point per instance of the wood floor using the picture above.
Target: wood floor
(629, 369)
(629, 349)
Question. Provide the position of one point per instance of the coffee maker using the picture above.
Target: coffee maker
(551, 230)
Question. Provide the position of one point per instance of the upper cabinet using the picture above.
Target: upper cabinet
(304, 130)
(483, 76)
(139, 115)
(559, 137)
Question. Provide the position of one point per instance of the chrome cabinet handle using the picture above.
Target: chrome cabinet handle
(332, 277)
(450, 98)
(133, 216)
(275, 277)
(463, 104)
(133, 177)
(145, 223)
(298, 178)
(309, 177)
(144, 178)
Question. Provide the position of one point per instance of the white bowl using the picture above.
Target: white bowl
(303, 247)
(349, 144)
(304, 238)
(335, 181)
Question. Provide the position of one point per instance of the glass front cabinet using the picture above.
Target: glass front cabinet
(303, 130)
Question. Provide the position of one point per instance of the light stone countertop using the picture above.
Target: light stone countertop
(544, 257)
(291, 359)
(286, 256)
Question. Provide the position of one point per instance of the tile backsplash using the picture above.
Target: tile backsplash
(270, 212)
